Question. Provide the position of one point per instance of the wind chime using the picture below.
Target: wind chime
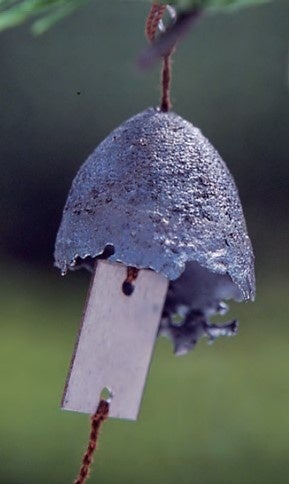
(155, 215)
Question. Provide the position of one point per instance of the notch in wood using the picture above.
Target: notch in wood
(116, 341)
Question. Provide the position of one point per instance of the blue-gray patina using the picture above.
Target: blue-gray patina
(160, 194)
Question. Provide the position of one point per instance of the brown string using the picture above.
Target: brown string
(97, 420)
(154, 16)
(132, 273)
(166, 83)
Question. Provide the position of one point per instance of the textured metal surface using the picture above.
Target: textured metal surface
(158, 191)
(192, 299)
(201, 290)
(115, 342)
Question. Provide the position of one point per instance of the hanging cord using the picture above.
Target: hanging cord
(155, 14)
(166, 84)
(154, 18)
(97, 420)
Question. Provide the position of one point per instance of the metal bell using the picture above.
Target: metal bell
(156, 194)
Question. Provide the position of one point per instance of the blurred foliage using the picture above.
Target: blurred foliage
(50, 11)
(216, 416)
(15, 12)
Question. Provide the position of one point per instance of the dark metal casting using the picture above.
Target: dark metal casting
(158, 194)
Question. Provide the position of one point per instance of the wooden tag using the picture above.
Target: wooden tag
(115, 341)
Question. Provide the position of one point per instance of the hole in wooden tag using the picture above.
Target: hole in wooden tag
(127, 288)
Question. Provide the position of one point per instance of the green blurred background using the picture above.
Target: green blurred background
(220, 414)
